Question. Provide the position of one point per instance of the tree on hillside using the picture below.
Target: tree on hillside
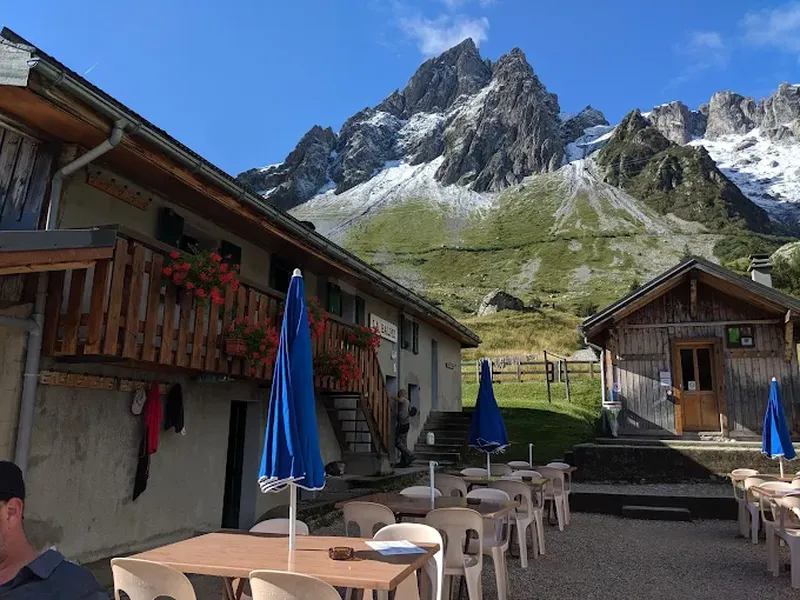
(786, 273)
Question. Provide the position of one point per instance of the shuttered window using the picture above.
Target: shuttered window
(24, 175)
(361, 311)
(333, 302)
(415, 338)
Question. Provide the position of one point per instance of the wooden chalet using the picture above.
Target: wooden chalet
(693, 351)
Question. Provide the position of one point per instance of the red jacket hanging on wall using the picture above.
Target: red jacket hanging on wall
(152, 418)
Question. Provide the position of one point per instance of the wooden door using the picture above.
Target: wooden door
(694, 375)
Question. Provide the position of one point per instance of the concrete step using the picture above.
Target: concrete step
(447, 448)
(444, 458)
(656, 513)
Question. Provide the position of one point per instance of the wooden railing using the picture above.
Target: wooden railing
(123, 309)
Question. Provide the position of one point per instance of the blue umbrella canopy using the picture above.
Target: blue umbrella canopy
(291, 441)
(488, 430)
(776, 441)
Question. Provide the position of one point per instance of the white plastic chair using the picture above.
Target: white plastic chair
(787, 529)
(366, 516)
(501, 469)
(554, 492)
(737, 481)
(474, 472)
(280, 585)
(565, 467)
(752, 503)
(450, 485)
(417, 533)
(455, 525)
(420, 491)
(280, 525)
(496, 538)
(519, 464)
(530, 513)
(147, 580)
(769, 514)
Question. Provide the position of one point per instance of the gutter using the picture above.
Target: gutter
(602, 353)
(35, 325)
(64, 80)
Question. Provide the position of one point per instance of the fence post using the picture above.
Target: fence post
(519, 371)
(547, 377)
(478, 371)
(559, 370)
(591, 369)
(566, 377)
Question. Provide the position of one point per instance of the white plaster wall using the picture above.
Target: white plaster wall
(83, 461)
(12, 365)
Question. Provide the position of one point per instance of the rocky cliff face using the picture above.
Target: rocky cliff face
(674, 121)
(574, 127)
(777, 116)
(490, 125)
(682, 180)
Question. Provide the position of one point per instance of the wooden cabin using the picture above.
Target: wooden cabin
(693, 351)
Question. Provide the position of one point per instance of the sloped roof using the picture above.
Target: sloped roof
(750, 291)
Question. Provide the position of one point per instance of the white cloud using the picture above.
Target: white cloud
(779, 27)
(434, 36)
(454, 4)
(703, 50)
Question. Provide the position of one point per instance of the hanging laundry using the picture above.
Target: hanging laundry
(173, 412)
(149, 443)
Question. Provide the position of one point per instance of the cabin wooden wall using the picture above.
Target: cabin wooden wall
(639, 351)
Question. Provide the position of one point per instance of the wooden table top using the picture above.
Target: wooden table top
(419, 507)
(475, 479)
(773, 493)
(772, 477)
(237, 554)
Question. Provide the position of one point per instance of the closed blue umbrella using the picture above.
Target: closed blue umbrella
(291, 454)
(488, 430)
(776, 441)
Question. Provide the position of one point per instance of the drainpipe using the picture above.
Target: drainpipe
(35, 325)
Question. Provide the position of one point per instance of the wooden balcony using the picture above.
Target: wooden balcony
(122, 310)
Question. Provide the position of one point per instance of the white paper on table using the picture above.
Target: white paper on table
(396, 547)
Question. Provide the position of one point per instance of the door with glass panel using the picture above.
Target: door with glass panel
(693, 376)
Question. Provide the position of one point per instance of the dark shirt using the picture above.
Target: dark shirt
(51, 577)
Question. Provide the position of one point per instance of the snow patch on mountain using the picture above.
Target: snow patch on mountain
(767, 171)
(397, 182)
(593, 139)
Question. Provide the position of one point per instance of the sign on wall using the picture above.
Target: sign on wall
(387, 330)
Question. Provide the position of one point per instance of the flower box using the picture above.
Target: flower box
(235, 346)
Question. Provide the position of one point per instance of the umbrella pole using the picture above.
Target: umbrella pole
(780, 460)
(530, 455)
(488, 465)
(292, 516)
(431, 465)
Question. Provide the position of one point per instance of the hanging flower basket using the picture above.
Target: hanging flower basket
(257, 342)
(364, 338)
(340, 365)
(317, 318)
(202, 274)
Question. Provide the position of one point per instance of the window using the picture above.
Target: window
(405, 333)
(226, 248)
(696, 370)
(170, 227)
(704, 368)
(361, 311)
(334, 300)
(415, 338)
(279, 274)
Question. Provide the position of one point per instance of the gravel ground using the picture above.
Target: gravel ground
(599, 557)
(716, 490)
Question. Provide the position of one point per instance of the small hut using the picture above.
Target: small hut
(693, 351)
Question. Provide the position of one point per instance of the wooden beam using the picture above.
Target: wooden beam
(788, 337)
(693, 298)
(45, 259)
(60, 266)
(703, 324)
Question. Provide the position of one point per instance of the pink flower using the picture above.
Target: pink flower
(167, 271)
(174, 255)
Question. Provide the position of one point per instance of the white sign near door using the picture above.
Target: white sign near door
(386, 330)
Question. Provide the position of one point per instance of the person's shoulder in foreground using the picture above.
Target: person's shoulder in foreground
(50, 575)
(24, 574)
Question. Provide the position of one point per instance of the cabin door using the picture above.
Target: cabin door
(693, 375)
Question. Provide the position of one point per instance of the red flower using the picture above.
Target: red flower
(201, 293)
(167, 271)
(256, 355)
(204, 277)
(223, 267)
(216, 257)
(189, 285)
(174, 255)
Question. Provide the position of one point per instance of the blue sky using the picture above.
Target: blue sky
(240, 81)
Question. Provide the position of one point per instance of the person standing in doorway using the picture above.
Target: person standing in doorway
(24, 573)
(404, 413)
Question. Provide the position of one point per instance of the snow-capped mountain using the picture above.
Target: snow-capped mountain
(479, 156)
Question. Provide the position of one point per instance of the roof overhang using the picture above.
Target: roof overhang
(764, 297)
(57, 250)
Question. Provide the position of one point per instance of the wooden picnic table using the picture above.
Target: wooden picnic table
(471, 480)
(232, 555)
(407, 506)
(773, 493)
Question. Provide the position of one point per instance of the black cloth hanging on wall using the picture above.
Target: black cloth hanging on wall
(173, 413)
